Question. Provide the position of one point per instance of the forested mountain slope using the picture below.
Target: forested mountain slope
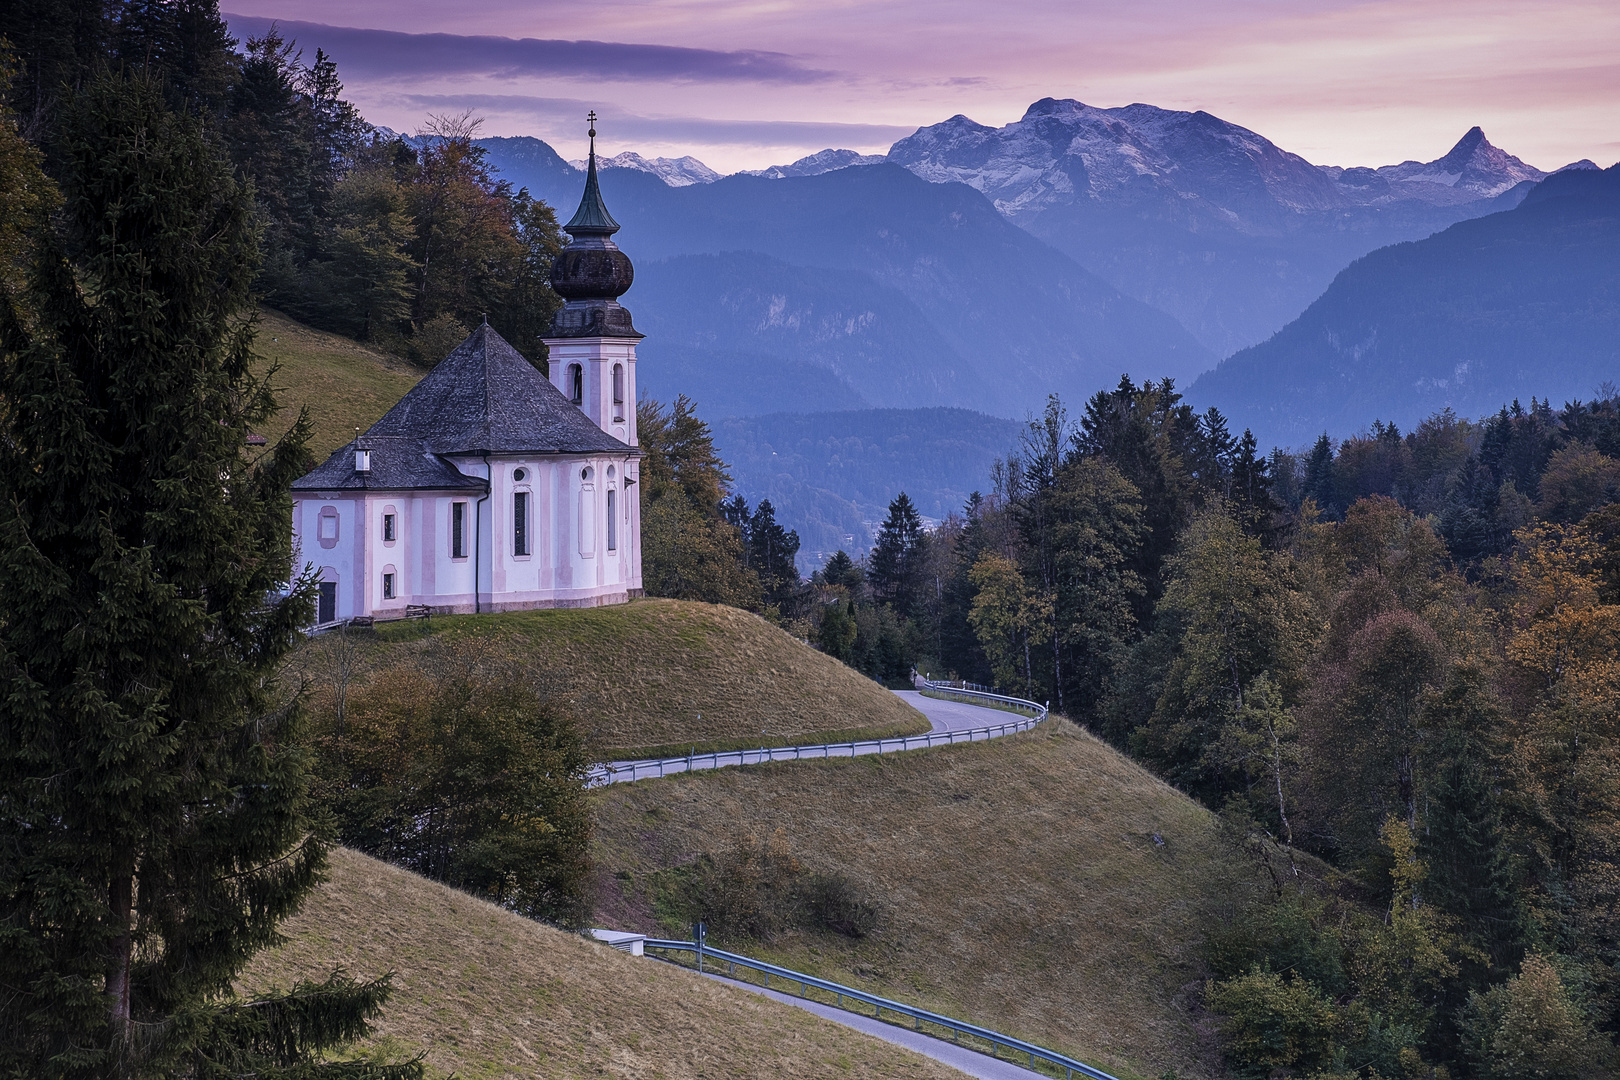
(1019, 318)
(1518, 304)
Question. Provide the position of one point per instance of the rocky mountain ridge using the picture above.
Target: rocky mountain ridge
(1064, 149)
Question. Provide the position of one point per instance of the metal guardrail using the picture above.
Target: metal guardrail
(653, 768)
(880, 1005)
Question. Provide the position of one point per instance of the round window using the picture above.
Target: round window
(519, 475)
(585, 473)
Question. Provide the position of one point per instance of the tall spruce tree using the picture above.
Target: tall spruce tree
(156, 823)
(894, 570)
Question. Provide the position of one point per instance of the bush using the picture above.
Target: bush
(761, 890)
(464, 776)
(1528, 1028)
(1269, 1023)
(837, 904)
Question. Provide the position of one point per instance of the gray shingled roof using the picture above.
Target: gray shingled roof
(397, 464)
(484, 398)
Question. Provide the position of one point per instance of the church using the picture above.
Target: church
(489, 487)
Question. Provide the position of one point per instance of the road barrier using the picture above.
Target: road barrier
(707, 959)
(619, 772)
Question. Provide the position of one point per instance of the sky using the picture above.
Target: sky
(744, 84)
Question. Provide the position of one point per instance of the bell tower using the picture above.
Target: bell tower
(592, 342)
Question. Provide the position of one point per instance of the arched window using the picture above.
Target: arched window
(520, 523)
(618, 392)
(576, 384)
(613, 519)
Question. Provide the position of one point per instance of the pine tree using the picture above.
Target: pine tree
(158, 827)
(771, 551)
(1319, 477)
(893, 571)
(1462, 844)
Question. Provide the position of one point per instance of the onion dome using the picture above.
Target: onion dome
(591, 273)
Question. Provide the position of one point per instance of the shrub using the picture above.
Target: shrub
(1269, 1022)
(761, 890)
(465, 776)
(1528, 1028)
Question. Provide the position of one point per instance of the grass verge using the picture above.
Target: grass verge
(651, 676)
(1041, 884)
(341, 382)
(487, 995)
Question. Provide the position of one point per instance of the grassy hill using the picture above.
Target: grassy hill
(652, 676)
(1040, 884)
(487, 994)
(343, 383)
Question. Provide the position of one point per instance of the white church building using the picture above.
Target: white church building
(488, 487)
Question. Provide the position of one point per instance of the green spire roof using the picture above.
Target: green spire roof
(592, 217)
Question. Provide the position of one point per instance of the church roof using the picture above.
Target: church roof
(484, 398)
(396, 465)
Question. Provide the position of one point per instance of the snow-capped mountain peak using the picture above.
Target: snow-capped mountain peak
(823, 161)
(1472, 169)
(676, 172)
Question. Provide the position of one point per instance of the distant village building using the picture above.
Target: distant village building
(488, 488)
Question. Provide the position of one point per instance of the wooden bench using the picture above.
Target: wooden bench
(418, 611)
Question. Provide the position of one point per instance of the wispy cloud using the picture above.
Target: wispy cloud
(393, 55)
(619, 126)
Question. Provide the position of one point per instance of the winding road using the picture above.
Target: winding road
(944, 718)
(950, 722)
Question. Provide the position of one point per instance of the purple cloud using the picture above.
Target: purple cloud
(624, 125)
(392, 54)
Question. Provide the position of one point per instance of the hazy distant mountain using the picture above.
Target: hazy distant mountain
(1517, 304)
(831, 474)
(1008, 318)
(727, 329)
(1201, 218)
(816, 164)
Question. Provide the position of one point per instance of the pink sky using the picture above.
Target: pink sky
(751, 83)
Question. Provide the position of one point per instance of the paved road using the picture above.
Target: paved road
(954, 715)
(945, 718)
(960, 1058)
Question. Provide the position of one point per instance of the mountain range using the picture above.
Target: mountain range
(1199, 217)
(904, 292)
(983, 268)
(1514, 305)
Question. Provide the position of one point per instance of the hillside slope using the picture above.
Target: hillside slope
(1518, 304)
(1041, 884)
(489, 995)
(341, 382)
(652, 676)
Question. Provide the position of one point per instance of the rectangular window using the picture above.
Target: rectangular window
(458, 530)
(388, 586)
(388, 527)
(326, 602)
(613, 520)
(520, 523)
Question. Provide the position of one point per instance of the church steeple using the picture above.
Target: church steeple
(591, 273)
(592, 217)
